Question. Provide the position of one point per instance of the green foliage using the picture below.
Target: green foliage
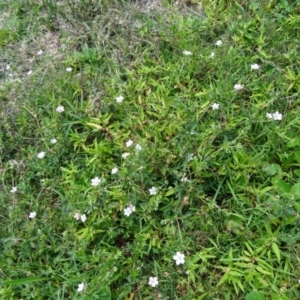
(138, 116)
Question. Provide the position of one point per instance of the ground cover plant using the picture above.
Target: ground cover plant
(149, 151)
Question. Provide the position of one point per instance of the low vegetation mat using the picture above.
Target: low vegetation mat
(149, 150)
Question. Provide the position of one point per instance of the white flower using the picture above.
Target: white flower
(215, 106)
(32, 215)
(138, 147)
(95, 181)
(83, 218)
(129, 143)
(53, 141)
(81, 287)
(69, 69)
(114, 170)
(60, 109)
(13, 189)
(7, 67)
(185, 52)
(190, 156)
(277, 116)
(119, 99)
(132, 207)
(179, 258)
(77, 216)
(153, 281)
(153, 191)
(212, 55)
(124, 155)
(41, 155)
(238, 87)
(39, 52)
(184, 179)
(219, 43)
(255, 67)
(129, 210)
(29, 72)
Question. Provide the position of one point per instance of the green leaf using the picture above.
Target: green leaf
(295, 190)
(169, 192)
(263, 271)
(297, 156)
(255, 296)
(24, 280)
(281, 186)
(293, 143)
(272, 169)
(276, 250)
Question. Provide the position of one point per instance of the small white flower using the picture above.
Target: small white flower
(77, 216)
(185, 52)
(299, 281)
(81, 287)
(39, 52)
(132, 207)
(60, 109)
(13, 189)
(153, 191)
(7, 67)
(29, 72)
(129, 143)
(277, 116)
(129, 210)
(83, 218)
(41, 155)
(238, 86)
(119, 99)
(219, 43)
(32, 215)
(190, 156)
(124, 155)
(69, 69)
(255, 67)
(153, 281)
(179, 258)
(53, 141)
(95, 181)
(138, 147)
(184, 179)
(212, 55)
(114, 170)
(215, 106)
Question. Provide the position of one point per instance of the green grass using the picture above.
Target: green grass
(227, 180)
